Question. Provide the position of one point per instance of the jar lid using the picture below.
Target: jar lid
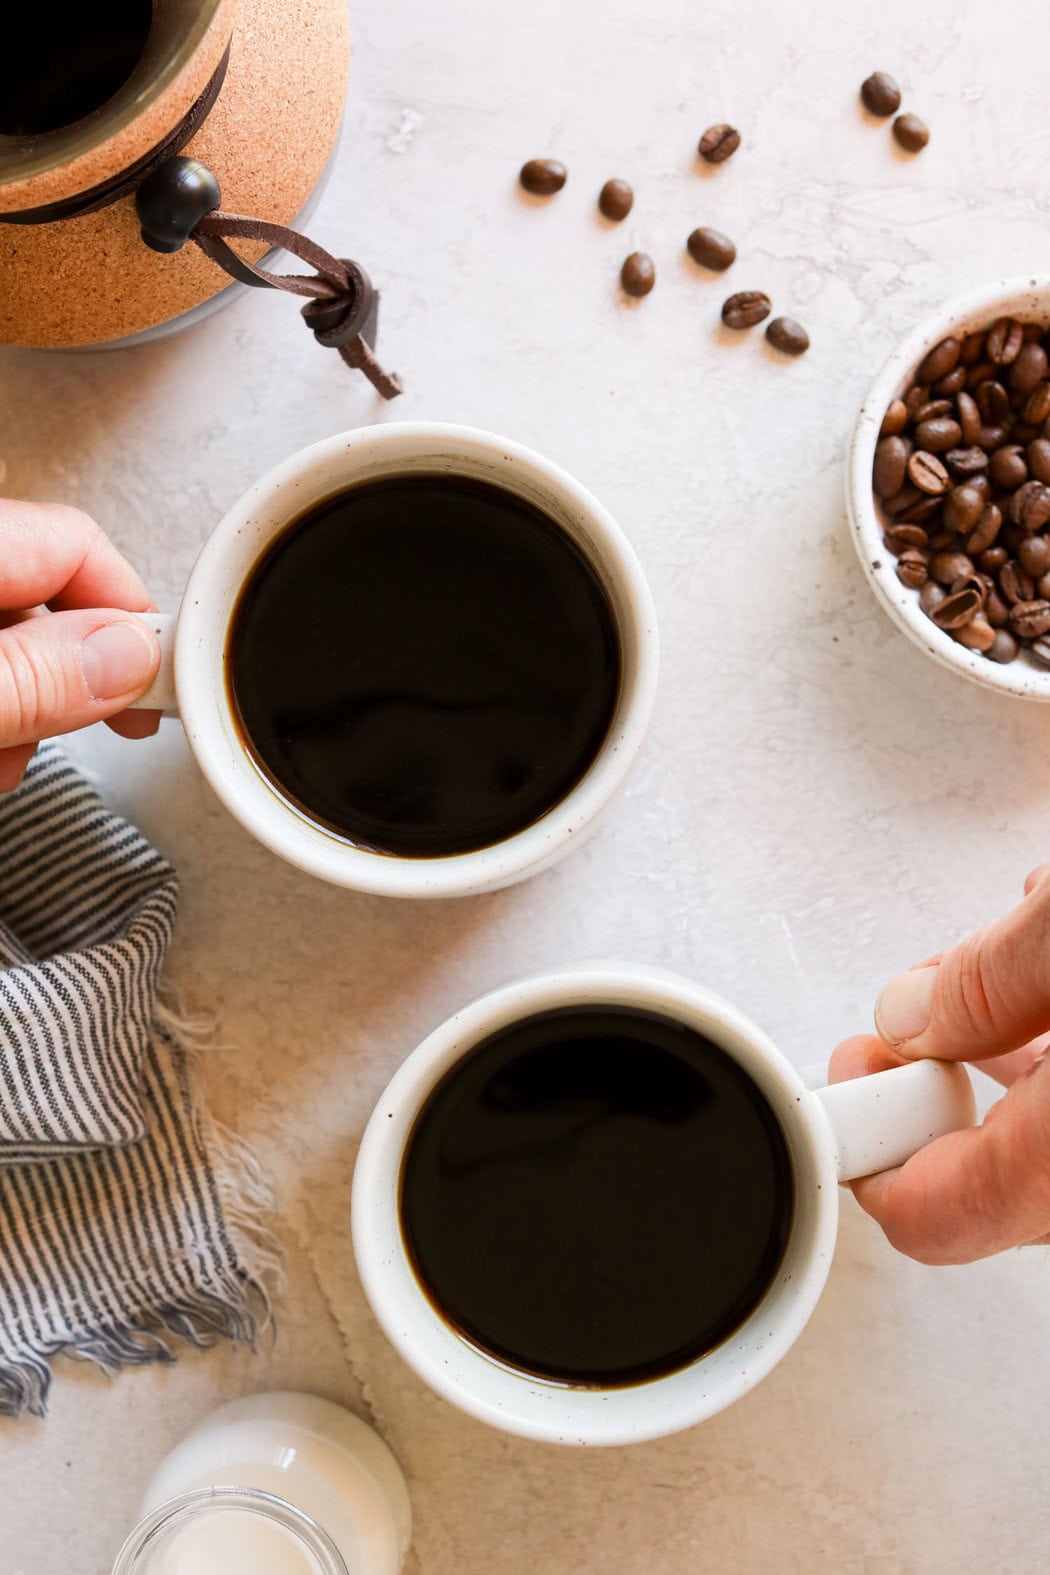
(213, 1530)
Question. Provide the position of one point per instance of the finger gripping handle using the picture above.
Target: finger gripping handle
(882, 1120)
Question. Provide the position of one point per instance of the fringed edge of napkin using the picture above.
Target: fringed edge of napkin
(243, 1309)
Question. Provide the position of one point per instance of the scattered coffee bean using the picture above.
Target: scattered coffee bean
(938, 361)
(543, 177)
(932, 409)
(911, 133)
(615, 200)
(1004, 341)
(911, 568)
(982, 537)
(966, 461)
(745, 309)
(1028, 620)
(719, 143)
(1037, 405)
(992, 401)
(996, 610)
(951, 382)
(896, 419)
(992, 559)
(963, 507)
(789, 337)
(711, 249)
(1040, 649)
(951, 566)
(1014, 584)
(1004, 647)
(1007, 467)
(880, 94)
(969, 418)
(956, 610)
(926, 472)
(638, 274)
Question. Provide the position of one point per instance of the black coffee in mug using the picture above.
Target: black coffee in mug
(596, 1195)
(424, 664)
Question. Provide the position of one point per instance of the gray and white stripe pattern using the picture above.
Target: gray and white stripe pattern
(125, 1214)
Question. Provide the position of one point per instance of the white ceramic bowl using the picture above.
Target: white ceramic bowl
(1027, 299)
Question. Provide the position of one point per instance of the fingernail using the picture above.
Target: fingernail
(116, 659)
(905, 1006)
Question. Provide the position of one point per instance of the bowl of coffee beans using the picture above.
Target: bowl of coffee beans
(948, 486)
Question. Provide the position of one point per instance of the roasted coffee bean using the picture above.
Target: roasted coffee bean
(996, 610)
(911, 133)
(1042, 587)
(991, 438)
(896, 417)
(615, 200)
(543, 177)
(911, 569)
(952, 382)
(1004, 340)
(1037, 405)
(980, 373)
(1040, 649)
(993, 401)
(1038, 456)
(1014, 584)
(982, 484)
(985, 531)
(940, 540)
(901, 501)
(1034, 556)
(1011, 538)
(787, 336)
(963, 506)
(915, 398)
(920, 512)
(972, 348)
(1037, 509)
(1016, 505)
(956, 610)
(931, 596)
(711, 249)
(933, 408)
(1028, 620)
(966, 461)
(937, 434)
(977, 635)
(900, 537)
(1003, 648)
(969, 418)
(992, 559)
(638, 274)
(926, 472)
(938, 361)
(1029, 368)
(880, 94)
(745, 309)
(719, 143)
(1007, 467)
(981, 583)
(947, 567)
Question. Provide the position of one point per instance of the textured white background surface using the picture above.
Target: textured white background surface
(818, 804)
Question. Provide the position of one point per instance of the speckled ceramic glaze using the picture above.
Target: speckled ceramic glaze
(89, 279)
(1027, 299)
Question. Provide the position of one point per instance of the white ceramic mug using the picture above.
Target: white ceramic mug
(847, 1130)
(193, 680)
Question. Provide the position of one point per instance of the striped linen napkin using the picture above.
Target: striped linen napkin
(127, 1215)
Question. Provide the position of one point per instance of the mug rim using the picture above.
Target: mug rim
(521, 1403)
(367, 452)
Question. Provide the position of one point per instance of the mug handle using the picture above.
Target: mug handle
(160, 696)
(881, 1120)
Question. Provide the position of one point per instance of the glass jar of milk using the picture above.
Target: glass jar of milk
(277, 1484)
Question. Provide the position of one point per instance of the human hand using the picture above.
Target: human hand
(973, 1193)
(69, 655)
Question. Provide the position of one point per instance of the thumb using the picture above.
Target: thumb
(64, 670)
(989, 994)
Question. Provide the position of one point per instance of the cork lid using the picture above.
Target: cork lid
(172, 60)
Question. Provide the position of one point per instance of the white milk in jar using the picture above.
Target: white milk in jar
(278, 1484)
